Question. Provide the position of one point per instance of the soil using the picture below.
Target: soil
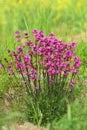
(25, 126)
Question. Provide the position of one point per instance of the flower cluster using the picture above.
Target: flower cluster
(44, 58)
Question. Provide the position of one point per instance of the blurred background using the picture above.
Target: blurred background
(60, 16)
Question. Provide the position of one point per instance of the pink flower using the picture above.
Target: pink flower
(36, 88)
(26, 59)
(69, 54)
(9, 67)
(1, 65)
(51, 34)
(18, 36)
(77, 62)
(19, 49)
(74, 71)
(32, 78)
(72, 83)
(19, 65)
(17, 32)
(33, 71)
(26, 33)
(51, 81)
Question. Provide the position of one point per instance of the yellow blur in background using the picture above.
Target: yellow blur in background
(14, 12)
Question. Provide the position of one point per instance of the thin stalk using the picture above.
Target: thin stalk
(27, 88)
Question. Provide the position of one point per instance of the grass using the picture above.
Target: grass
(76, 117)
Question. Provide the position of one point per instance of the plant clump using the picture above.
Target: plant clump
(47, 68)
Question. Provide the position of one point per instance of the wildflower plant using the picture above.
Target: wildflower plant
(47, 68)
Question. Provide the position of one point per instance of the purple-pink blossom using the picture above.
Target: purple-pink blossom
(72, 83)
(44, 58)
(1, 65)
